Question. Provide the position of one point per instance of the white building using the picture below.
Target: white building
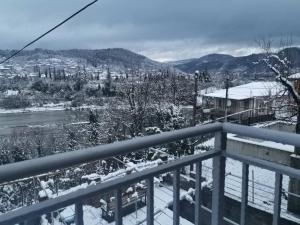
(258, 96)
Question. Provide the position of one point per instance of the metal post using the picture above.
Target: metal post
(24, 223)
(195, 97)
(253, 186)
(226, 98)
(34, 190)
(136, 206)
(198, 196)
(118, 207)
(218, 180)
(150, 201)
(22, 194)
(277, 199)
(78, 213)
(56, 186)
(52, 218)
(176, 199)
(244, 200)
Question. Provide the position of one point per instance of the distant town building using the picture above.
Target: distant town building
(4, 70)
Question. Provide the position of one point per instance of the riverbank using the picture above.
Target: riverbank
(50, 107)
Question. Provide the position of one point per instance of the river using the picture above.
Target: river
(9, 121)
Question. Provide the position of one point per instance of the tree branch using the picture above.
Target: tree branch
(285, 82)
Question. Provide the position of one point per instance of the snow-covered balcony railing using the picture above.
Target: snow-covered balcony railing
(34, 167)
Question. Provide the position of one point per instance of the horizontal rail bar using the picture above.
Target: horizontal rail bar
(264, 134)
(275, 167)
(37, 166)
(36, 210)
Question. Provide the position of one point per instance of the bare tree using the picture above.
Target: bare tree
(280, 61)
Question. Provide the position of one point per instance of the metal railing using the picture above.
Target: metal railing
(33, 167)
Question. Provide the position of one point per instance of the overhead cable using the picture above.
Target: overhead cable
(49, 31)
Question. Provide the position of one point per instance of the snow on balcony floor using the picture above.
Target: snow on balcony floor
(162, 197)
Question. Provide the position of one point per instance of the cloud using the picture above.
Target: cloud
(161, 29)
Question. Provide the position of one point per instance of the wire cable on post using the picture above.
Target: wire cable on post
(49, 31)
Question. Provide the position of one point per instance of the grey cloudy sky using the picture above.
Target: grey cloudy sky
(159, 29)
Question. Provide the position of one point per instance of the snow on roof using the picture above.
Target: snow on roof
(294, 76)
(250, 90)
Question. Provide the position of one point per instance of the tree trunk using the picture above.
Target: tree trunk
(297, 149)
(294, 184)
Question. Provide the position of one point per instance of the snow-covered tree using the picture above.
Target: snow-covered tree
(280, 62)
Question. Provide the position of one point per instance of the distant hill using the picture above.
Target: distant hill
(114, 56)
(246, 65)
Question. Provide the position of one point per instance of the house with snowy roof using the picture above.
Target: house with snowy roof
(4, 70)
(247, 100)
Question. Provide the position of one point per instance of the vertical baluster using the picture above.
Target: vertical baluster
(218, 180)
(253, 186)
(118, 207)
(198, 196)
(78, 213)
(277, 198)
(150, 201)
(24, 222)
(244, 200)
(176, 200)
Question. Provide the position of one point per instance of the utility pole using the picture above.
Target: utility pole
(196, 77)
(226, 98)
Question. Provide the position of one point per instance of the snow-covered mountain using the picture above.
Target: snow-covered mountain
(118, 57)
(246, 65)
(251, 66)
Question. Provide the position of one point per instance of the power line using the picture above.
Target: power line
(49, 31)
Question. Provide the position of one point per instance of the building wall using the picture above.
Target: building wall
(285, 127)
(241, 105)
(261, 152)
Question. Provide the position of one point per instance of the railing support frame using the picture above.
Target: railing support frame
(219, 179)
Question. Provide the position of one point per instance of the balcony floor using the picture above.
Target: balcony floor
(162, 197)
